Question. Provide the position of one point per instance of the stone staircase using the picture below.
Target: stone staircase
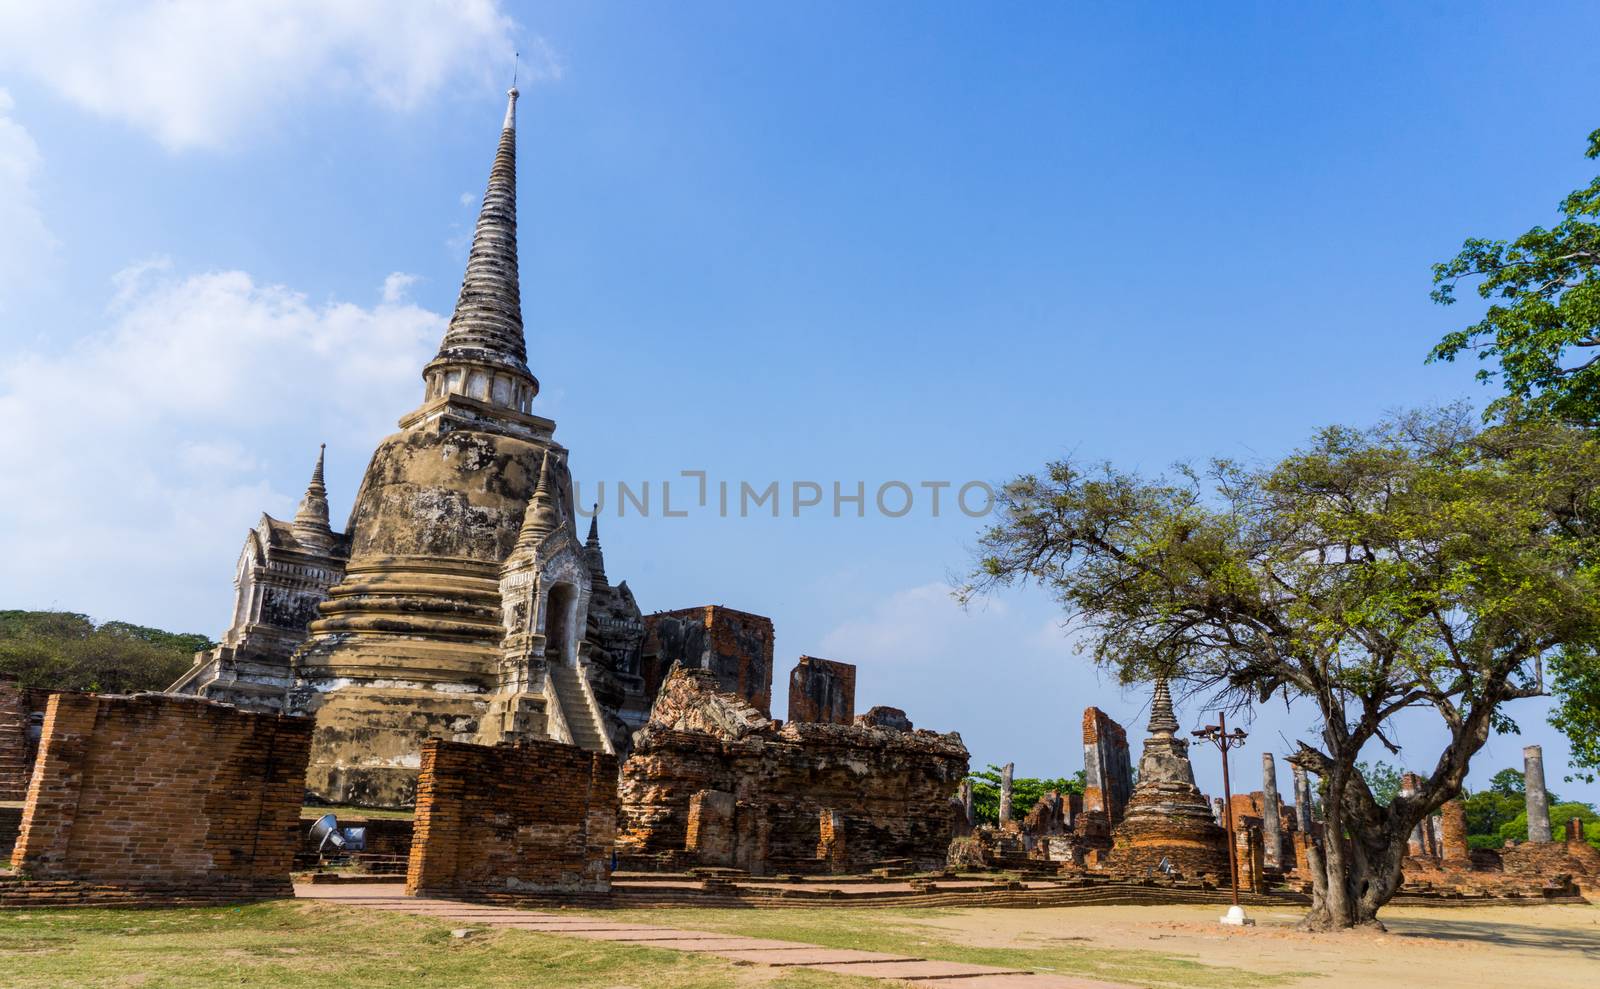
(573, 695)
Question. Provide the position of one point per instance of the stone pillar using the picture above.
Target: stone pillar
(1575, 831)
(1538, 798)
(1005, 794)
(1410, 783)
(1453, 848)
(1271, 833)
(1249, 855)
(966, 802)
(1302, 798)
(1107, 771)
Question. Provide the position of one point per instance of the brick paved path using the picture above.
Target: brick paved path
(748, 950)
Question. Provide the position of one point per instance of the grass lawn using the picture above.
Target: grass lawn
(900, 931)
(316, 946)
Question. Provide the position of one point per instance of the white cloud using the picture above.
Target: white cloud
(396, 287)
(198, 73)
(24, 239)
(136, 459)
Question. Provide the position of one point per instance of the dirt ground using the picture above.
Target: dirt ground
(1549, 947)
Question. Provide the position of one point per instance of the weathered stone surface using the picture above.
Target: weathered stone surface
(1272, 813)
(891, 718)
(1454, 850)
(536, 816)
(735, 646)
(1302, 798)
(1410, 784)
(1005, 792)
(805, 798)
(1108, 773)
(1167, 817)
(164, 794)
(822, 691)
(1538, 798)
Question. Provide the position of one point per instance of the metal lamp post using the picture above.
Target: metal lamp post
(1219, 736)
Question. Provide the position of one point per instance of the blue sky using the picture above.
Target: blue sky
(826, 242)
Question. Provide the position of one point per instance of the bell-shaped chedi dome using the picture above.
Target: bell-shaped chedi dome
(1167, 817)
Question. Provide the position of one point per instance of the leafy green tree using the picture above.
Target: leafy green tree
(1541, 331)
(1489, 810)
(1509, 782)
(1543, 326)
(1382, 779)
(66, 651)
(1417, 565)
(1025, 792)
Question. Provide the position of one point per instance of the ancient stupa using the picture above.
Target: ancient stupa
(459, 602)
(1168, 817)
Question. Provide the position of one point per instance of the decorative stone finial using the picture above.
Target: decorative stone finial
(541, 518)
(484, 354)
(311, 519)
(1162, 720)
(592, 553)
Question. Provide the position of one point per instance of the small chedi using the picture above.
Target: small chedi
(1167, 819)
(712, 781)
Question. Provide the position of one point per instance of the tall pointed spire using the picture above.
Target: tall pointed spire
(311, 519)
(1162, 720)
(540, 518)
(592, 553)
(484, 354)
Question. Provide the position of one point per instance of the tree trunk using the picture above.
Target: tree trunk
(1350, 882)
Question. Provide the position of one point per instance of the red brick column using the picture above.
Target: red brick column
(1454, 851)
(52, 801)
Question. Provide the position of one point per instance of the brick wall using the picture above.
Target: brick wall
(165, 794)
(15, 761)
(822, 691)
(734, 645)
(537, 816)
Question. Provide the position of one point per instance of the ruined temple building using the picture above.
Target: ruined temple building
(1167, 819)
(714, 782)
(284, 572)
(459, 602)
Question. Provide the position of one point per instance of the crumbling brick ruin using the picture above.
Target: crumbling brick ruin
(1107, 770)
(822, 691)
(1440, 862)
(162, 798)
(538, 816)
(735, 646)
(714, 782)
